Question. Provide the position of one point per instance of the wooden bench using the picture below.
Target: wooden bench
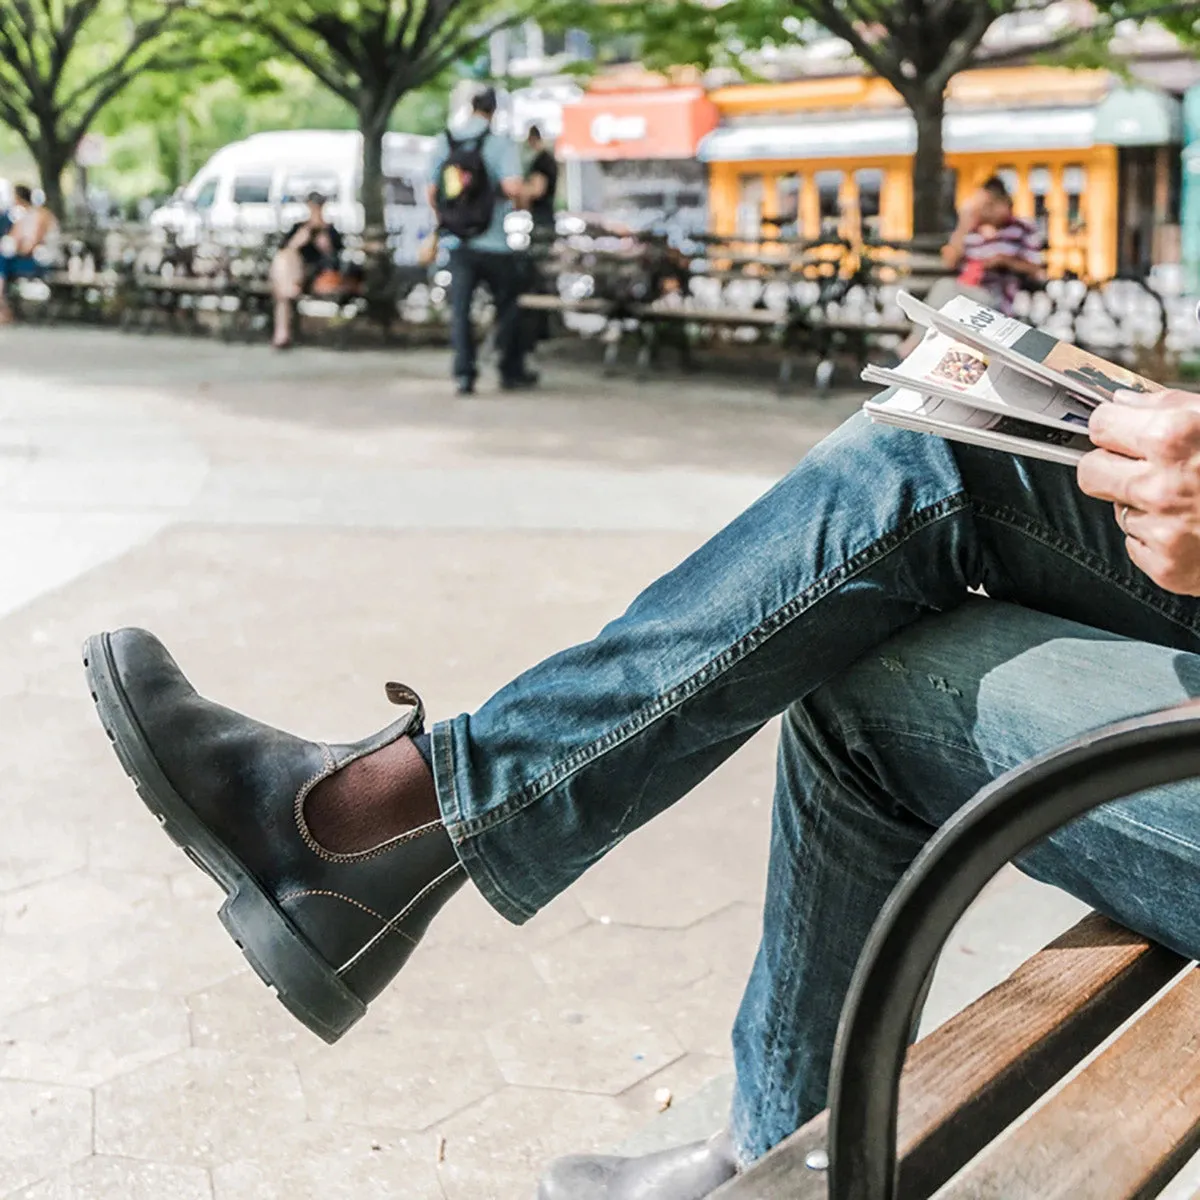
(1064, 1081)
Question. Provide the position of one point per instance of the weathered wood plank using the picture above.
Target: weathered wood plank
(979, 1071)
(1119, 1130)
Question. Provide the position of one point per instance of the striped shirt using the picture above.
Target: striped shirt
(1017, 238)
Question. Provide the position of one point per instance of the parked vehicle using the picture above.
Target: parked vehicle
(257, 187)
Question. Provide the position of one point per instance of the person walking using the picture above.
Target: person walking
(477, 183)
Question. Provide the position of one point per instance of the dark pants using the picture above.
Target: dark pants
(503, 275)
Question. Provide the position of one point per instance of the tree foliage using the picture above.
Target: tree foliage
(372, 53)
(63, 61)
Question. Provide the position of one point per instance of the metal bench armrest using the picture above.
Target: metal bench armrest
(1005, 818)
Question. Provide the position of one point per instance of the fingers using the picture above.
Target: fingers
(1116, 477)
(1162, 427)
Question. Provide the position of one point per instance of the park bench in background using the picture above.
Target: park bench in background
(1118, 1129)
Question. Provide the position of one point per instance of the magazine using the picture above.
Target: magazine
(942, 367)
(959, 422)
(1011, 342)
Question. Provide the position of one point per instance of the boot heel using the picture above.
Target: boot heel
(284, 961)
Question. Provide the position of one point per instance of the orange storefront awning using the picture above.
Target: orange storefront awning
(652, 124)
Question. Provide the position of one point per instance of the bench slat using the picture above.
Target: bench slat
(1120, 1130)
(971, 1077)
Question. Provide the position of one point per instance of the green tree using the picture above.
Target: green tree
(63, 61)
(373, 53)
(918, 46)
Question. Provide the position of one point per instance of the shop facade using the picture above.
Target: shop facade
(1095, 164)
(631, 157)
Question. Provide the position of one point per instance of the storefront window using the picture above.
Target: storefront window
(869, 183)
(787, 204)
(1039, 185)
(829, 186)
(750, 206)
(1074, 183)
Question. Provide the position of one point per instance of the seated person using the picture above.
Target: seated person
(308, 261)
(840, 601)
(994, 252)
(25, 234)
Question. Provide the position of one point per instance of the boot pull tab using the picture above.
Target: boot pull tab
(403, 695)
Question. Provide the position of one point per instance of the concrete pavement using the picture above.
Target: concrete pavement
(300, 529)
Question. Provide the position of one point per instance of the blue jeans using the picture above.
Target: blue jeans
(504, 275)
(873, 534)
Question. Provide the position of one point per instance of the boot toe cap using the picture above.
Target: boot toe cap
(579, 1178)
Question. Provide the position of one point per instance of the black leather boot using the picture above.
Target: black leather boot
(687, 1173)
(327, 931)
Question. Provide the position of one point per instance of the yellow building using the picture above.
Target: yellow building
(1094, 163)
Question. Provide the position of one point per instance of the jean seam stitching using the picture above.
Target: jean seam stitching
(671, 699)
(1053, 540)
(868, 727)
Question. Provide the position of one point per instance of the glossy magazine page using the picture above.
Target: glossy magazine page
(960, 422)
(1025, 349)
(940, 366)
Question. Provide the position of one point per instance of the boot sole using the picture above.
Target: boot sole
(305, 984)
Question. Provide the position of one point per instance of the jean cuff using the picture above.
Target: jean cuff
(471, 850)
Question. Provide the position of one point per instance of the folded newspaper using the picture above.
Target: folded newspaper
(990, 380)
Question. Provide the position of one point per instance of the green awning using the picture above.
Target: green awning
(1138, 117)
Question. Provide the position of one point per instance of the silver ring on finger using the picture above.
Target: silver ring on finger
(1122, 516)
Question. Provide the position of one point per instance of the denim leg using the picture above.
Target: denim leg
(873, 762)
(463, 282)
(504, 274)
(875, 528)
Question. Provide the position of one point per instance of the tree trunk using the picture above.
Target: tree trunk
(929, 165)
(51, 163)
(372, 125)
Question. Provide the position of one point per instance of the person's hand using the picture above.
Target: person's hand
(302, 238)
(1148, 465)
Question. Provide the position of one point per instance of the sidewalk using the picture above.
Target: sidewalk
(300, 529)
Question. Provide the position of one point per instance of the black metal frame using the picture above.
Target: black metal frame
(1009, 816)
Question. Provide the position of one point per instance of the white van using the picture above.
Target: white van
(258, 186)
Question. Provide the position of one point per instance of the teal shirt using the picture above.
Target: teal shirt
(503, 161)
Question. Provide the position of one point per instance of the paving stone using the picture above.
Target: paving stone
(132, 840)
(701, 1015)
(84, 905)
(334, 1162)
(499, 1148)
(121, 1179)
(91, 1036)
(144, 953)
(44, 1128)
(396, 1076)
(640, 965)
(198, 1107)
(37, 969)
(600, 1046)
(243, 1016)
(683, 1078)
(468, 921)
(38, 847)
(449, 987)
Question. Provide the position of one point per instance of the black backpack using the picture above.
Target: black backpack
(466, 195)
